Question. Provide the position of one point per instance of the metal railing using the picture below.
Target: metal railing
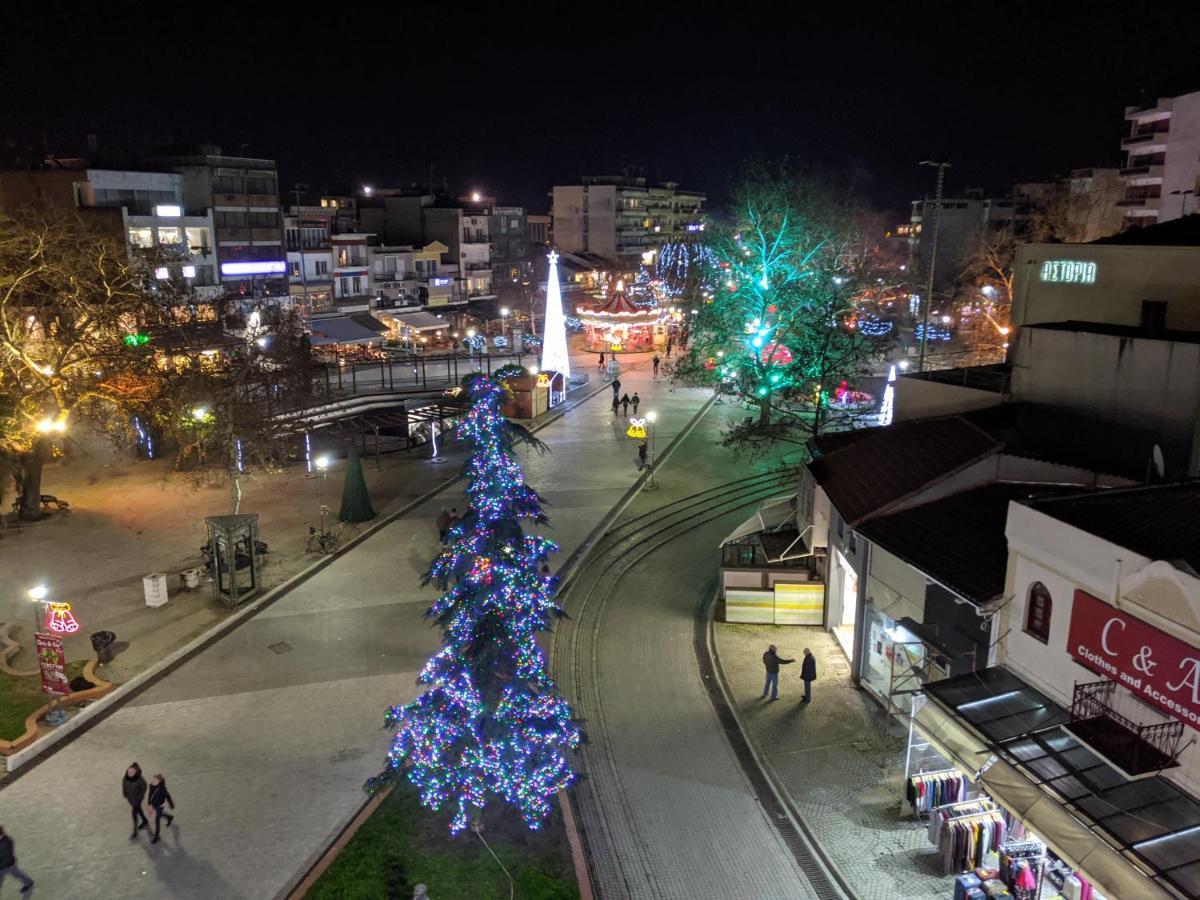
(1137, 748)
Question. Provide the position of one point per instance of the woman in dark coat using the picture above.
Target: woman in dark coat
(160, 796)
(133, 786)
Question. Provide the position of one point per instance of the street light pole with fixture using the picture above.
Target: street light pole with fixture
(651, 417)
(937, 206)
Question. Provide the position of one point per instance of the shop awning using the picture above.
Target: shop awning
(1115, 830)
(773, 515)
(345, 330)
(948, 736)
(1110, 873)
(419, 321)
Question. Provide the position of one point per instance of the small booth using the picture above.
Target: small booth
(619, 325)
(532, 395)
(233, 557)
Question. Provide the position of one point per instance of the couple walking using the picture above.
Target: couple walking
(772, 661)
(133, 786)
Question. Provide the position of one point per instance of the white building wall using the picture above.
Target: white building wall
(1065, 559)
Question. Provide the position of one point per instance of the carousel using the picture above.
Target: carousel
(618, 325)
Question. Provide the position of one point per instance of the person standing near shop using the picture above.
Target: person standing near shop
(771, 662)
(8, 863)
(808, 673)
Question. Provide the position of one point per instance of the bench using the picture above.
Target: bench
(48, 501)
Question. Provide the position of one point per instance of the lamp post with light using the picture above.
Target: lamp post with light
(651, 417)
(38, 594)
(504, 311)
(322, 464)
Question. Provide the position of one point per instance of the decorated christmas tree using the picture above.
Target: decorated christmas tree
(490, 722)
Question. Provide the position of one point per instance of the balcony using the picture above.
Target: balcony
(1142, 172)
(1134, 749)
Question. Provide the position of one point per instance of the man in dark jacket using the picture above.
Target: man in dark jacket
(159, 796)
(772, 661)
(808, 673)
(8, 863)
(133, 786)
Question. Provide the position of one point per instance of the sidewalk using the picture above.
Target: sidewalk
(267, 735)
(840, 759)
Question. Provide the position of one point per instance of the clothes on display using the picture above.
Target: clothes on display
(1021, 864)
(929, 790)
(965, 835)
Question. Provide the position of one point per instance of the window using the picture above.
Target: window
(169, 237)
(1037, 612)
(141, 238)
(294, 267)
(199, 241)
(322, 267)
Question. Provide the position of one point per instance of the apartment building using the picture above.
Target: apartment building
(414, 277)
(620, 217)
(307, 234)
(243, 194)
(351, 265)
(510, 245)
(1162, 160)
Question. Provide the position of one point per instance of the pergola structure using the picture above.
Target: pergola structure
(619, 325)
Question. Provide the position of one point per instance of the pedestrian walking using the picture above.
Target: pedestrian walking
(133, 786)
(641, 457)
(808, 673)
(625, 403)
(616, 403)
(657, 363)
(8, 863)
(443, 525)
(771, 662)
(601, 366)
(670, 341)
(635, 400)
(616, 386)
(159, 797)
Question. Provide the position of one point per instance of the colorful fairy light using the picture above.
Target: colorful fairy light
(60, 619)
(490, 722)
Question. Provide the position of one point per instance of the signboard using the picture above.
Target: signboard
(52, 663)
(800, 604)
(753, 607)
(266, 267)
(1162, 670)
(1068, 271)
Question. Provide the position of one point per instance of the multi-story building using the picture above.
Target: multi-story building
(146, 209)
(960, 222)
(243, 194)
(404, 277)
(351, 265)
(619, 217)
(403, 218)
(307, 232)
(510, 245)
(539, 230)
(1162, 160)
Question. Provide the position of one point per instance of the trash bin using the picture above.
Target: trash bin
(191, 578)
(102, 643)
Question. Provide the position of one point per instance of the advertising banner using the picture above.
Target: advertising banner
(52, 663)
(799, 604)
(1163, 670)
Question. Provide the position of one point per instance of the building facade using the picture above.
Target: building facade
(511, 260)
(619, 217)
(414, 277)
(307, 234)
(1162, 160)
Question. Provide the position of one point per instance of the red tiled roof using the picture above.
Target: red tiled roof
(867, 476)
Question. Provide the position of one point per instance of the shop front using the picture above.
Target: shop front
(1016, 806)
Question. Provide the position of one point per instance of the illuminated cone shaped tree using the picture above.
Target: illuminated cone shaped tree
(490, 723)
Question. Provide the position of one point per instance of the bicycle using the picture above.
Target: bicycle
(324, 541)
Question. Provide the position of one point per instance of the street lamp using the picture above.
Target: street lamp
(937, 206)
(38, 594)
(322, 464)
(504, 321)
(651, 417)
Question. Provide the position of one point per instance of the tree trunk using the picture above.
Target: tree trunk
(764, 411)
(30, 480)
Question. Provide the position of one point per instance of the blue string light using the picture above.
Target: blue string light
(490, 722)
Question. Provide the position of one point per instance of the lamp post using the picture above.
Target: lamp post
(504, 311)
(651, 417)
(322, 464)
(937, 206)
(38, 594)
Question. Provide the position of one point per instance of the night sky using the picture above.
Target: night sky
(352, 94)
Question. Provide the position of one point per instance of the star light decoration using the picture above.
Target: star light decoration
(490, 722)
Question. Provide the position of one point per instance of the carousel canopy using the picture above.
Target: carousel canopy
(618, 310)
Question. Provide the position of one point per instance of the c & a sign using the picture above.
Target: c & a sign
(1161, 669)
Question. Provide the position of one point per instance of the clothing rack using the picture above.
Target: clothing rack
(926, 790)
(965, 837)
(1029, 851)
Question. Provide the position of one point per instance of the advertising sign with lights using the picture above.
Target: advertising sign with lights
(52, 663)
(1068, 271)
(262, 267)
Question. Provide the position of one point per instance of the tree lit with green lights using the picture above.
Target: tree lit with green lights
(787, 324)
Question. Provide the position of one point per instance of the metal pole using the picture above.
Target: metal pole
(652, 483)
(937, 206)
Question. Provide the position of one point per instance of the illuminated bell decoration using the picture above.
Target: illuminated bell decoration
(636, 429)
(59, 618)
(777, 355)
(616, 346)
(543, 380)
